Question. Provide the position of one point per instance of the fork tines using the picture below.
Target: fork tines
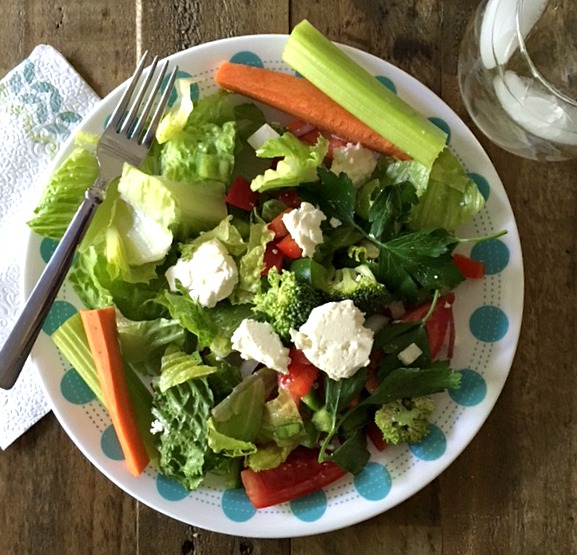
(135, 122)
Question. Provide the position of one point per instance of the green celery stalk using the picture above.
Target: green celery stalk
(332, 71)
(71, 340)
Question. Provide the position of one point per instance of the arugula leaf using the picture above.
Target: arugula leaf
(352, 455)
(414, 382)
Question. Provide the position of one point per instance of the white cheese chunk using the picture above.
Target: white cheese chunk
(258, 341)
(335, 339)
(209, 276)
(356, 161)
(409, 354)
(304, 225)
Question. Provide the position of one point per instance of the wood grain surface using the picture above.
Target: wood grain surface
(512, 491)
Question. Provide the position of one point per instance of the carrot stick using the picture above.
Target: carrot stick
(300, 98)
(102, 336)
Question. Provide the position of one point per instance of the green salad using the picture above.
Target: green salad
(283, 296)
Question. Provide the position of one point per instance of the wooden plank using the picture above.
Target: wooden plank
(55, 501)
(98, 42)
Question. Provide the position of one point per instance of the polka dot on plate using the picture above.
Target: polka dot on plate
(482, 184)
(74, 388)
(387, 82)
(47, 248)
(374, 482)
(237, 506)
(489, 323)
(59, 313)
(494, 254)
(109, 444)
(443, 125)
(310, 507)
(472, 391)
(170, 489)
(247, 58)
(432, 446)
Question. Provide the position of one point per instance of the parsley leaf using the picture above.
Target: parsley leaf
(390, 210)
(335, 196)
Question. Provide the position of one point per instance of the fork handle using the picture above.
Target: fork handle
(21, 339)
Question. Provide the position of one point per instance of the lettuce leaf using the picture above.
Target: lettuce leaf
(298, 162)
(63, 193)
(182, 413)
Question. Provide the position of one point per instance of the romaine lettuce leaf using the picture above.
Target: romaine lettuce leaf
(182, 414)
(178, 367)
(298, 162)
(197, 153)
(175, 119)
(64, 193)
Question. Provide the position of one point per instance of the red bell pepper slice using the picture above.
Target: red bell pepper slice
(469, 267)
(376, 436)
(300, 377)
(438, 323)
(272, 258)
(301, 474)
(289, 247)
(289, 197)
(241, 195)
(276, 225)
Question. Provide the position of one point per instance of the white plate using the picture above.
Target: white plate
(488, 318)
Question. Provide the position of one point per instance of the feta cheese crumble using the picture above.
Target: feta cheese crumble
(356, 161)
(409, 354)
(304, 225)
(209, 275)
(335, 339)
(258, 341)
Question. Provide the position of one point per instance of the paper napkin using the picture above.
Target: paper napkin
(41, 101)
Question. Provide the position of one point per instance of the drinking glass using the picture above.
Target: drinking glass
(518, 76)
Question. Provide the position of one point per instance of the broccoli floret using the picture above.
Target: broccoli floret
(360, 286)
(405, 420)
(287, 302)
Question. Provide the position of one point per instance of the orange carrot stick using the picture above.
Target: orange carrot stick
(300, 98)
(102, 336)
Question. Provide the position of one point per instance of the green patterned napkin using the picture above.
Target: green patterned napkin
(41, 101)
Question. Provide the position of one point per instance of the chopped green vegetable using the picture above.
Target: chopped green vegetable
(405, 420)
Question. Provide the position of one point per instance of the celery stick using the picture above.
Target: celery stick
(327, 67)
(71, 340)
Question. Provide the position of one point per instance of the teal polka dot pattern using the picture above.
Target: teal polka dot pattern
(170, 489)
(482, 184)
(387, 82)
(493, 254)
(237, 506)
(432, 446)
(59, 313)
(310, 507)
(110, 445)
(443, 125)
(247, 58)
(489, 324)
(374, 482)
(473, 389)
(47, 248)
(74, 388)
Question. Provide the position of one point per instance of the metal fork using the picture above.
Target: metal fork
(127, 137)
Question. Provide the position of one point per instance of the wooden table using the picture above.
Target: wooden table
(513, 490)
